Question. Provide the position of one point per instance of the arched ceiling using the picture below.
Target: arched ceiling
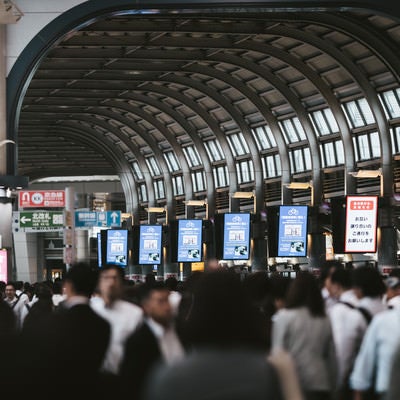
(124, 86)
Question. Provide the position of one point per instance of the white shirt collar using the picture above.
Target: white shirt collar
(157, 329)
(75, 300)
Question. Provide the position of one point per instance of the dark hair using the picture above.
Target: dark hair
(83, 278)
(342, 277)
(327, 268)
(221, 315)
(369, 280)
(279, 286)
(257, 286)
(145, 290)
(172, 283)
(115, 267)
(305, 292)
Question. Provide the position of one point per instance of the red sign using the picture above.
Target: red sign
(362, 205)
(3, 265)
(39, 199)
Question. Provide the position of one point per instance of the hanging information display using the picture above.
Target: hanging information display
(292, 234)
(117, 247)
(236, 244)
(150, 241)
(361, 224)
(189, 240)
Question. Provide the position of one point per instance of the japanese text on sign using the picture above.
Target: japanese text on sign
(361, 217)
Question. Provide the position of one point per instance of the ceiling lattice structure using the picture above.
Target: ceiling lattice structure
(123, 89)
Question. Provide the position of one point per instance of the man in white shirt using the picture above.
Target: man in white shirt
(123, 316)
(348, 327)
(373, 364)
(392, 296)
(16, 303)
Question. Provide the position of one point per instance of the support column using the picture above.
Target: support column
(317, 250)
(316, 241)
(69, 229)
(3, 108)
(82, 246)
(387, 247)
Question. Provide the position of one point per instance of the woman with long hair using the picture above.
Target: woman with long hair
(304, 331)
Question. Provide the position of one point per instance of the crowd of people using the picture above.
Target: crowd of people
(217, 335)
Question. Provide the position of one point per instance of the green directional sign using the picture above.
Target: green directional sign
(33, 221)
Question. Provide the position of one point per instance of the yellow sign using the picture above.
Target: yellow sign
(198, 266)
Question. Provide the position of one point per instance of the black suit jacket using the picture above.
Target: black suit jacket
(141, 355)
(65, 351)
(83, 337)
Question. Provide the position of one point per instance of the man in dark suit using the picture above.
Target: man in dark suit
(153, 343)
(83, 334)
(70, 345)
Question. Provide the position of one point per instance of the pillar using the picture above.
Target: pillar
(387, 247)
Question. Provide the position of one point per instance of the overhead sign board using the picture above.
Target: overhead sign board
(35, 221)
(292, 235)
(361, 224)
(117, 247)
(150, 242)
(189, 240)
(236, 236)
(101, 219)
(39, 199)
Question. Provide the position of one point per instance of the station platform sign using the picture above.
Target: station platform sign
(38, 221)
(41, 198)
(100, 219)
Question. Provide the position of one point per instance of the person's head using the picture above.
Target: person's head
(212, 264)
(340, 281)
(327, 269)
(80, 280)
(172, 283)
(279, 287)
(43, 292)
(154, 299)
(10, 290)
(257, 286)
(392, 287)
(367, 282)
(220, 314)
(305, 292)
(111, 283)
(149, 279)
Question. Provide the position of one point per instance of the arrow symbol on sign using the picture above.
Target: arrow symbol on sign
(114, 217)
(25, 219)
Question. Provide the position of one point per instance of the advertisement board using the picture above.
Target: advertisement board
(99, 250)
(236, 243)
(3, 265)
(292, 232)
(117, 247)
(190, 240)
(150, 244)
(361, 224)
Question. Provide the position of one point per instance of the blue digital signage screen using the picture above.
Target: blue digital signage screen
(150, 244)
(292, 233)
(117, 247)
(236, 244)
(99, 255)
(190, 240)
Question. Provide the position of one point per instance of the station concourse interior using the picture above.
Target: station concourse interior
(240, 108)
